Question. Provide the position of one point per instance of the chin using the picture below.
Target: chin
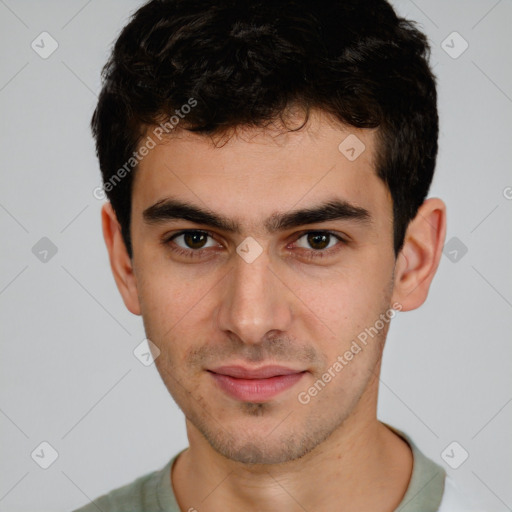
(248, 444)
(261, 452)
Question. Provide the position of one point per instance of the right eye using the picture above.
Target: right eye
(191, 243)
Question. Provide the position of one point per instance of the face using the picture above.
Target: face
(262, 262)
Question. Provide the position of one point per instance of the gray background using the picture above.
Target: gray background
(68, 373)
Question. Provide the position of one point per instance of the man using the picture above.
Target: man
(267, 166)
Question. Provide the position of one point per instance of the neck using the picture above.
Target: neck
(362, 466)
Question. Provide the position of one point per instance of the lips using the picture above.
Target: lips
(240, 372)
(255, 384)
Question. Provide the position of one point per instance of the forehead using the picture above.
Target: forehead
(256, 172)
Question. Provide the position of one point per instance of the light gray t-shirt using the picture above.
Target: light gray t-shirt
(154, 493)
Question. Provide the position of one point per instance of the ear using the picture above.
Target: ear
(120, 261)
(419, 258)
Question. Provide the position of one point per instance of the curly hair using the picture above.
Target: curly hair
(244, 63)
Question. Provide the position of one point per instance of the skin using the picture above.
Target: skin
(283, 308)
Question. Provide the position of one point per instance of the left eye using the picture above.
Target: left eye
(317, 240)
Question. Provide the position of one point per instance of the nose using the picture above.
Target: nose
(255, 302)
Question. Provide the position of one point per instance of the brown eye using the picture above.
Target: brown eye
(318, 241)
(195, 240)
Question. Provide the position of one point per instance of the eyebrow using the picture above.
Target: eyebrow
(334, 209)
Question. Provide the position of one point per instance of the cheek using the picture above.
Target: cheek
(166, 291)
(345, 302)
(345, 313)
(163, 303)
(176, 310)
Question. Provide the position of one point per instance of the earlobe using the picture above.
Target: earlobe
(420, 255)
(120, 262)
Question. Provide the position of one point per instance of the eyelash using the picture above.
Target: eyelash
(197, 253)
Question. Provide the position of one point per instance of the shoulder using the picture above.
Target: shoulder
(140, 495)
